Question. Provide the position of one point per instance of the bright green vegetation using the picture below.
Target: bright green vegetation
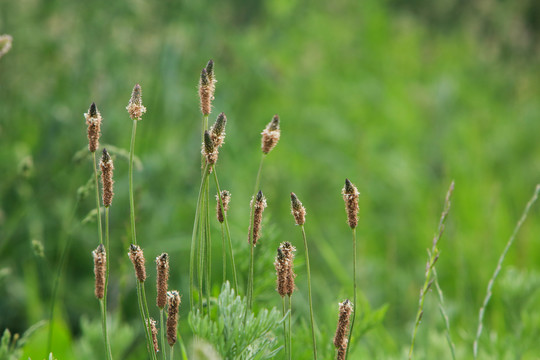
(400, 99)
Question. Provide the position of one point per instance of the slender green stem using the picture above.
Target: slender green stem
(250, 235)
(98, 203)
(149, 346)
(104, 300)
(182, 348)
(208, 239)
(162, 331)
(355, 305)
(285, 340)
(444, 315)
(131, 198)
(498, 268)
(290, 332)
(309, 293)
(194, 238)
(172, 353)
(147, 325)
(228, 233)
(224, 251)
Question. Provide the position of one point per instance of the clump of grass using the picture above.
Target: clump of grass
(430, 266)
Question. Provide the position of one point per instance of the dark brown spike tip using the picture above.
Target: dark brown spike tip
(208, 143)
(260, 195)
(204, 77)
(105, 157)
(274, 124)
(133, 247)
(93, 110)
(210, 68)
(349, 187)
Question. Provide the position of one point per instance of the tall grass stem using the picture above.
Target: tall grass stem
(290, 332)
(131, 196)
(98, 204)
(309, 294)
(444, 315)
(489, 290)
(355, 306)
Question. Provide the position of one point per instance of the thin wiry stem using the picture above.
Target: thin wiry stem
(162, 330)
(228, 232)
(182, 347)
(208, 238)
(172, 353)
(131, 198)
(250, 235)
(147, 324)
(444, 315)
(98, 204)
(224, 259)
(104, 300)
(290, 332)
(194, 238)
(433, 257)
(489, 290)
(309, 294)
(355, 307)
(285, 340)
(149, 345)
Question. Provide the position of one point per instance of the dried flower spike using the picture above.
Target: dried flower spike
(93, 120)
(205, 93)
(217, 131)
(162, 267)
(107, 167)
(151, 323)
(137, 258)
(100, 263)
(350, 196)
(259, 204)
(270, 135)
(209, 150)
(284, 269)
(225, 198)
(340, 339)
(173, 304)
(211, 77)
(135, 107)
(5, 44)
(298, 210)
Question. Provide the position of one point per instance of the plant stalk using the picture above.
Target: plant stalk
(131, 197)
(309, 294)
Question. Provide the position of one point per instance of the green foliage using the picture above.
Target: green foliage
(234, 331)
(11, 345)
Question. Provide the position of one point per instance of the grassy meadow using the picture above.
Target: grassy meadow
(402, 98)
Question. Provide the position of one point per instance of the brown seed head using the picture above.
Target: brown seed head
(298, 210)
(342, 350)
(284, 269)
(221, 211)
(350, 196)
(100, 263)
(206, 94)
(259, 204)
(270, 135)
(209, 150)
(137, 258)
(93, 120)
(5, 44)
(107, 167)
(342, 331)
(135, 107)
(217, 131)
(162, 269)
(173, 304)
(151, 323)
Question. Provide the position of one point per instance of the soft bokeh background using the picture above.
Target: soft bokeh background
(400, 97)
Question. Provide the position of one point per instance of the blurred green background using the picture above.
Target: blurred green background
(400, 97)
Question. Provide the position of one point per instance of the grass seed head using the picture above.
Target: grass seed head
(217, 131)
(225, 197)
(93, 120)
(270, 135)
(135, 107)
(206, 93)
(259, 204)
(100, 263)
(151, 323)
(107, 167)
(209, 150)
(137, 258)
(350, 196)
(162, 267)
(342, 331)
(284, 269)
(298, 210)
(173, 304)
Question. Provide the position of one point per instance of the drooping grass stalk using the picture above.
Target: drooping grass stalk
(309, 294)
(444, 315)
(225, 221)
(250, 235)
(489, 290)
(194, 234)
(162, 331)
(285, 338)
(433, 257)
(131, 196)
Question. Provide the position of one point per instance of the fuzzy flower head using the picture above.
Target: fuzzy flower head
(209, 150)
(350, 196)
(342, 330)
(297, 210)
(270, 135)
(107, 167)
(100, 263)
(135, 107)
(136, 256)
(93, 120)
(173, 305)
(217, 131)
(284, 269)
(225, 198)
(259, 204)
(205, 93)
(162, 269)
